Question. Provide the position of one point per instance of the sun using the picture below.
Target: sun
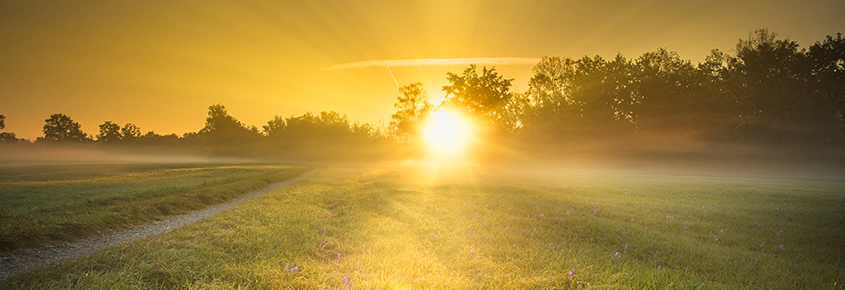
(447, 134)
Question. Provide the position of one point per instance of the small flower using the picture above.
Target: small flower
(617, 255)
(595, 211)
(659, 267)
(294, 269)
(472, 251)
(721, 231)
(626, 248)
(571, 273)
(686, 223)
(338, 256)
(781, 247)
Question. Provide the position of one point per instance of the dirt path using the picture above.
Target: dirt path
(24, 260)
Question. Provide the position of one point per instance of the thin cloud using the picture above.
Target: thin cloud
(435, 62)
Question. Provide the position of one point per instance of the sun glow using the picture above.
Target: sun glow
(447, 134)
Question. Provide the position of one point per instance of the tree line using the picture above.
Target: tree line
(769, 92)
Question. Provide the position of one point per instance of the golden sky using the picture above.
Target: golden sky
(160, 64)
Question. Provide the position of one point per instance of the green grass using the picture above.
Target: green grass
(48, 203)
(396, 229)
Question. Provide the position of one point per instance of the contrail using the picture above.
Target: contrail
(435, 62)
(391, 75)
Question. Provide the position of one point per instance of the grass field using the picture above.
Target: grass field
(398, 228)
(47, 203)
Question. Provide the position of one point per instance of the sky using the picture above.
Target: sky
(160, 64)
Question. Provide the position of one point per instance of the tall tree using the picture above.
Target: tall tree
(412, 111)
(60, 127)
(551, 107)
(109, 132)
(2, 122)
(275, 127)
(484, 96)
(130, 132)
(768, 78)
(225, 133)
(668, 87)
(828, 58)
(586, 95)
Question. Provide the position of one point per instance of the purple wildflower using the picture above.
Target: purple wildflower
(472, 251)
(781, 247)
(338, 256)
(659, 267)
(617, 255)
(571, 273)
(595, 211)
(686, 223)
(294, 269)
(626, 248)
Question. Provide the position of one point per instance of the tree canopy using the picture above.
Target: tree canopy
(60, 127)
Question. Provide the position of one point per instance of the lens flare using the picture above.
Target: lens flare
(447, 134)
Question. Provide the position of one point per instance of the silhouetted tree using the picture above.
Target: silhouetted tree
(2, 122)
(412, 111)
(768, 79)
(665, 84)
(274, 127)
(130, 132)
(60, 127)
(8, 137)
(589, 95)
(225, 133)
(551, 107)
(484, 96)
(828, 58)
(109, 132)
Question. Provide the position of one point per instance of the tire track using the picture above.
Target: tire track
(24, 260)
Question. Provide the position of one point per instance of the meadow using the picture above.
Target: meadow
(47, 203)
(405, 228)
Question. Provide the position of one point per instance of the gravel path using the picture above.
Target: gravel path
(23, 260)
